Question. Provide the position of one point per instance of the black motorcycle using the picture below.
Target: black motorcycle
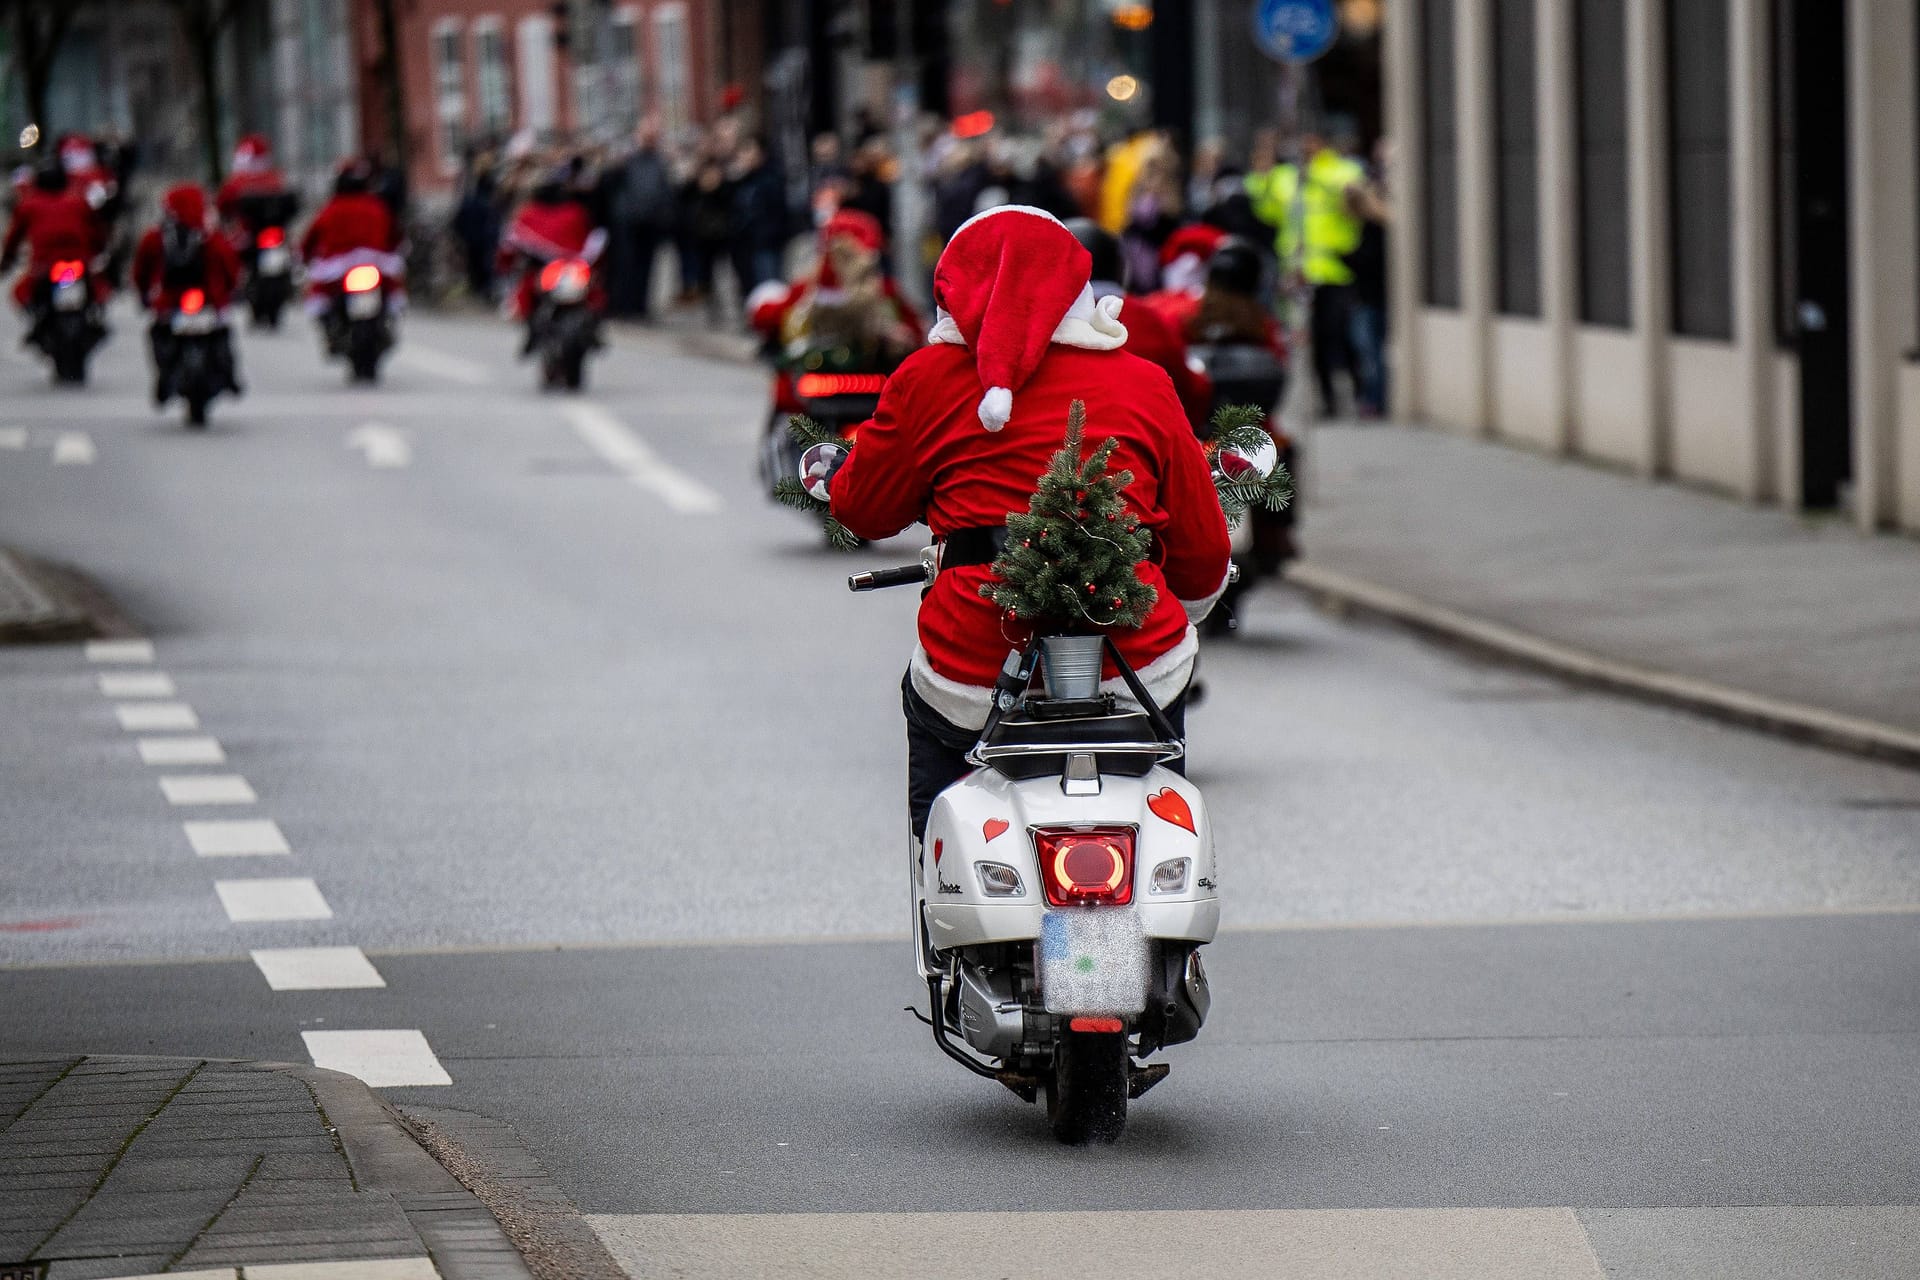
(356, 324)
(563, 326)
(194, 354)
(267, 257)
(64, 320)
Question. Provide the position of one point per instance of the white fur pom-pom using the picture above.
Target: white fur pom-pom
(996, 407)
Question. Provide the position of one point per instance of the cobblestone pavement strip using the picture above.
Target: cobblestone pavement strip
(123, 1166)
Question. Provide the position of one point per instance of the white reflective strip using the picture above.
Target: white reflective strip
(236, 837)
(119, 651)
(144, 716)
(181, 751)
(247, 901)
(383, 1059)
(317, 968)
(136, 684)
(207, 788)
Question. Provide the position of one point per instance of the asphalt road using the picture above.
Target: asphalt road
(587, 750)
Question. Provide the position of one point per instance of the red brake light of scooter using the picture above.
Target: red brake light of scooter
(270, 238)
(816, 386)
(364, 278)
(1086, 868)
(192, 302)
(67, 272)
(570, 272)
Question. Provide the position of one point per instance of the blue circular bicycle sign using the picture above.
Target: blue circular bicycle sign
(1294, 30)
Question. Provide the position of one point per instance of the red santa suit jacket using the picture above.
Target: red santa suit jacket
(54, 227)
(924, 456)
(220, 274)
(1152, 337)
(348, 231)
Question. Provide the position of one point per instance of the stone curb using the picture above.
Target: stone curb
(1793, 720)
(33, 608)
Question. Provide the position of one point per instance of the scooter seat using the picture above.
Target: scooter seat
(1023, 748)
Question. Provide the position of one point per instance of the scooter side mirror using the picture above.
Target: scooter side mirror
(817, 466)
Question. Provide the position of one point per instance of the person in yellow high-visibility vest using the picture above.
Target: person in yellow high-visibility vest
(1317, 224)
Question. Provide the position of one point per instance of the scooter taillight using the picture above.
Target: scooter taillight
(270, 238)
(193, 301)
(1091, 867)
(818, 386)
(67, 272)
(568, 273)
(362, 279)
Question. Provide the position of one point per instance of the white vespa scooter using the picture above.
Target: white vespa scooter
(1065, 888)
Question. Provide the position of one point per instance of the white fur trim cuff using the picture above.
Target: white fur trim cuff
(966, 705)
(1199, 609)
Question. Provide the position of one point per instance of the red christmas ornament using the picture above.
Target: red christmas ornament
(1091, 589)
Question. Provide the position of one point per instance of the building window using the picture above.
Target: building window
(320, 23)
(1440, 157)
(450, 92)
(624, 54)
(670, 48)
(1700, 169)
(1600, 34)
(538, 99)
(494, 74)
(1517, 158)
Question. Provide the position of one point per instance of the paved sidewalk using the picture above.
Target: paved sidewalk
(1696, 597)
(125, 1166)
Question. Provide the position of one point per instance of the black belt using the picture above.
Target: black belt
(979, 545)
(984, 543)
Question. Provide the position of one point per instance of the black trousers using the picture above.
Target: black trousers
(1332, 322)
(937, 751)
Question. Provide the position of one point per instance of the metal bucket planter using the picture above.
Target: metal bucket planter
(1070, 665)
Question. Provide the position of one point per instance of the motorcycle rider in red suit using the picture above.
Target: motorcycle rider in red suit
(553, 224)
(1149, 334)
(254, 175)
(1017, 319)
(354, 228)
(54, 224)
(184, 253)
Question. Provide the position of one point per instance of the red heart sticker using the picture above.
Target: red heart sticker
(994, 828)
(938, 845)
(1169, 805)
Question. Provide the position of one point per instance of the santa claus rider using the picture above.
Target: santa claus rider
(964, 429)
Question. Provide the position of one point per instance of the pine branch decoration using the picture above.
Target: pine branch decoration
(789, 491)
(1071, 560)
(1241, 429)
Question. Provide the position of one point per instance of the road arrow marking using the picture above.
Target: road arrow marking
(384, 447)
(634, 458)
(74, 448)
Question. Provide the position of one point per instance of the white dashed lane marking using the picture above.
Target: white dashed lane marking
(385, 448)
(317, 968)
(254, 901)
(119, 651)
(452, 368)
(237, 838)
(181, 751)
(383, 1059)
(14, 438)
(74, 448)
(137, 684)
(141, 717)
(207, 788)
(634, 458)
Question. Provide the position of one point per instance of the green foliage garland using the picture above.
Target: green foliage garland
(788, 489)
(1239, 428)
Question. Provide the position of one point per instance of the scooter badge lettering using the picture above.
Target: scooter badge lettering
(994, 828)
(1169, 805)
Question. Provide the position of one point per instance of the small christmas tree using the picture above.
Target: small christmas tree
(1070, 561)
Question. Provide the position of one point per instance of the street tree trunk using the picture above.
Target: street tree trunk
(390, 73)
(38, 28)
(203, 22)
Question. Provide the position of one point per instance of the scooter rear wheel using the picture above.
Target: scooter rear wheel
(1087, 1091)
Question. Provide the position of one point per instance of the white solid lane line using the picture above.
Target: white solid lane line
(383, 1059)
(181, 751)
(384, 447)
(634, 458)
(207, 788)
(74, 448)
(119, 651)
(236, 837)
(452, 368)
(317, 968)
(250, 901)
(144, 717)
(137, 684)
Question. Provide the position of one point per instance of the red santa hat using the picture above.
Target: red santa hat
(1012, 281)
(76, 153)
(186, 204)
(1184, 257)
(252, 154)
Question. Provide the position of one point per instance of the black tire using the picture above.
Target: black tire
(1087, 1091)
(573, 370)
(70, 367)
(197, 410)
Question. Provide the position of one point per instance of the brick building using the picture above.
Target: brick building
(480, 71)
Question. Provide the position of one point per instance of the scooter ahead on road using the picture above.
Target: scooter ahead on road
(356, 323)
(65, 321)
(192, 347)
(1064, 888)
(563, 326)
(269, 265)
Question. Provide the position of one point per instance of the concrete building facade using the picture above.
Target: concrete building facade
(1681, 237)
